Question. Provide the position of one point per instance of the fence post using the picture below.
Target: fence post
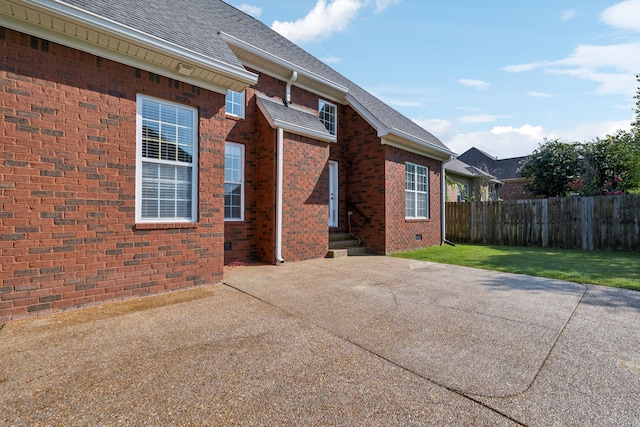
(545, 223)
(473, 222)
(588, 224)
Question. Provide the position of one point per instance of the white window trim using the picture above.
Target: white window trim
(139, 161)
(415, 192)
(242, 164)
(322, 102)
(241, 105)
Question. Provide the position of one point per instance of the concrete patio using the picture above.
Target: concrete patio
(346, 341)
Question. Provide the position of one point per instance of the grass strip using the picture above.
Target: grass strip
(616, 269)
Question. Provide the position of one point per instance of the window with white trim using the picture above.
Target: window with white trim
(416, 191)
(166, 161)
(234, 103)
(233, 182)
(463, 191)
(327, 113)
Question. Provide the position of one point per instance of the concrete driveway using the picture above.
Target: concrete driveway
(346, 341)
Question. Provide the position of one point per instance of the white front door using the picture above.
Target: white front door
(333, 194)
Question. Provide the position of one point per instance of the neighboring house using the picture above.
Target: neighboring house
(505, 170)
(145, 145)
(465, 182)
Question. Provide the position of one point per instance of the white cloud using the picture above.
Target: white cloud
(254, 11)
(441, 129)
(508, 141)
(403, 103)
(331, 59)
(535, 94)
(567, 15)
(624, 15)
(480, 118)
(381, 5)
(612, 67)
(478, 84)
(586, 132)
(323, 20)
(502, 143)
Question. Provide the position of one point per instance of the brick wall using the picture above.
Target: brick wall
(407, 234)
(67, 191)
(305, 198)
(515, 189)
(365, 182)
(375, 191)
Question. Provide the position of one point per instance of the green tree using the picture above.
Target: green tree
(610, 166)
(552, 166)
(635, 125)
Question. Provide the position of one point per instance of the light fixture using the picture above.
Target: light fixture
(185, 69)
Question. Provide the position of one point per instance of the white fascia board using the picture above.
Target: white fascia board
(397, 138)
(403, 140)
(282, 62)
(141, 39)
(293, 128)
(380, 128)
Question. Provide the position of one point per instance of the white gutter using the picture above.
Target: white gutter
(410, 142)
(282, 62)
(279, 190)
(443, 192)
(398, 138)
(122, 33)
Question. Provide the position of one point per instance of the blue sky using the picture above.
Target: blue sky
(500, 75)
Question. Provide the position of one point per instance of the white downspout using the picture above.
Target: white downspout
(443, 192)
(294, 77)
(279, 180)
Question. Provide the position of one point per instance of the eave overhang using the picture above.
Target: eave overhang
(73, 27)
(400, 139)
(318, 132)
(274, 66)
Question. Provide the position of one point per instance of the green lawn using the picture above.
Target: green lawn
(618, 269)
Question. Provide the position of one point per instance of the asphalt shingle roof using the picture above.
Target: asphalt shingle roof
(500, 168)
(194, 24)
(293, 116)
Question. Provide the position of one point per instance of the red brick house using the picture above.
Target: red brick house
(506, 170)
(139, 156)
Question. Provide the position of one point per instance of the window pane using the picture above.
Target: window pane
(327, 114)
(151, 110)
(421, 205)
(150, 209)
(409, 205)
(233, 187)
(234, 103)
(168, 114)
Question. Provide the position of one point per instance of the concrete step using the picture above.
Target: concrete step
(339, 236)
(344, 244)
(357, 251)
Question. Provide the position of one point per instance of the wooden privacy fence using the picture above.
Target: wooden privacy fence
(602, 222)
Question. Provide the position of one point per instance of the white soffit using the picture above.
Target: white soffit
(272, 65)
(70, 26)
(398, 138)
